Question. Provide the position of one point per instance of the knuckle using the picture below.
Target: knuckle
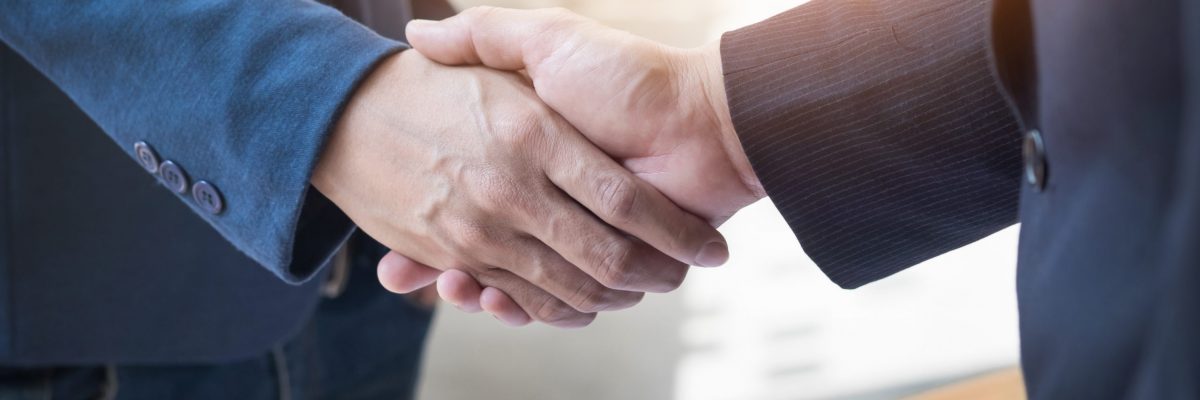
(552, 311)
(504, 198)
(477, 12)
(614, 262)
(469, 234)
(683, 236)
(539, 275)
(523, 129)
(589, 297)
(495, 191)
(618, 196)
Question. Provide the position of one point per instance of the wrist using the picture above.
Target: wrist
(330, 175)
(712, 82)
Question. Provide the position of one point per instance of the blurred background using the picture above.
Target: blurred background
(768, 325)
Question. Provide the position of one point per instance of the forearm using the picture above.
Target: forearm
(877, 129)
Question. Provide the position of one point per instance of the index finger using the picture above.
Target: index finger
(496, 37)
(630, 204)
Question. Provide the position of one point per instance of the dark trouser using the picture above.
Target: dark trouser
(366, 343)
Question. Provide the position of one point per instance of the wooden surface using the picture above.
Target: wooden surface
(1002, 385)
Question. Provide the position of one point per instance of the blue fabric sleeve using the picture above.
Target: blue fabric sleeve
(239, 93)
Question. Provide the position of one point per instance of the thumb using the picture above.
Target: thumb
(496, 37)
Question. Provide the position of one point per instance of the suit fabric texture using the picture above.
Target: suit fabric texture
(889, 132)
(98, 262)
(364, 344)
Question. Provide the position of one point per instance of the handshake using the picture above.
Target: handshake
(539, 166)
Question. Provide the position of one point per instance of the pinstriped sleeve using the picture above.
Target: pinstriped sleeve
(877, 129)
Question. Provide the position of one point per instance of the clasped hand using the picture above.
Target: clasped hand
(552, 167)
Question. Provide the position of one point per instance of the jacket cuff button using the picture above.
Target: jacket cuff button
(1035, 159)
(208, 197)
(146, 156)
(173, 177)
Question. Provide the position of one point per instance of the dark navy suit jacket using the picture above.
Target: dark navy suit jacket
(888, 132)
(98, 263)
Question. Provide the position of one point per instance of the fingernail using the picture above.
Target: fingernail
(714, 254)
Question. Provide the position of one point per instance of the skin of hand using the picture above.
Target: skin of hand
(660, 110)
(464, 168)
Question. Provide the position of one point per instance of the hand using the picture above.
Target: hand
(465, 168)
(661, 111)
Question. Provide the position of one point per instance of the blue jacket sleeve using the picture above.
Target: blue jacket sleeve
(240, 94)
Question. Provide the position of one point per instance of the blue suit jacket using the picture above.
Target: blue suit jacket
(891, 131)
(100, 264)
